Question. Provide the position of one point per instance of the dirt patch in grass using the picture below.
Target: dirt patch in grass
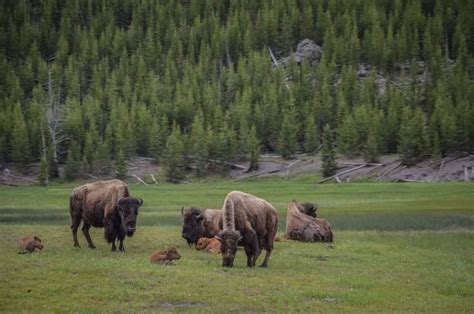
(174, 305)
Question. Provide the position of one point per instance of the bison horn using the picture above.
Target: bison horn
(182, 211)
(121, 201)
(140, 203)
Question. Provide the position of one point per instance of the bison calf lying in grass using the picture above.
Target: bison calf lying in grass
(209, 244)
(29, 244)
(165, 257)
(303, 227)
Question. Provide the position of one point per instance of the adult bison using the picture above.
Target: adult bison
(250, 221)
(199, 223)
(304, 227)
(105, 204)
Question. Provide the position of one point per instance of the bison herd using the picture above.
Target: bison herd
(244, 220)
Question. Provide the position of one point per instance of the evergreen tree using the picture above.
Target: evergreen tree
(254, 149)
(328, 154)
(19, 139)
(43, 172)
(412, 138)
(73, 164)
(120, 165)
(311, 140)
(371, 151)
(436, 149)
(199, 145)
(173, 163)
(287, 141)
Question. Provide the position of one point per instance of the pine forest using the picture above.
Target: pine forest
(87, 84)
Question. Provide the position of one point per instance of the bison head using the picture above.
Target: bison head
(308, 209)
(193, 227)
(128, 211)
(172, 254)
(37, 243)
(229, 240)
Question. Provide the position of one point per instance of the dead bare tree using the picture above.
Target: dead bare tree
(54, 115)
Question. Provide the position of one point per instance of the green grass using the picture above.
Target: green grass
(398, 248)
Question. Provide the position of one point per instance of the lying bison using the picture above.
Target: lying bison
(211, 245)
(303, 227)
(28, 244)
(198, 223)
(165, 257)
(250, 221)
(105, 204)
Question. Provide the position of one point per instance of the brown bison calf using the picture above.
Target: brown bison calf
(29, 244)
(251, 222)
(209, 244)
(165, 257)
(304, 227)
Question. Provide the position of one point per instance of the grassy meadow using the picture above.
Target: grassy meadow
(398, 248)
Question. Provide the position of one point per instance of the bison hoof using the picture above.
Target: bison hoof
(77, 245)
(91, 246)
(264, 265)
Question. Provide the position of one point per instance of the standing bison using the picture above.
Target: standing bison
(105, 204)
(301, 225)
(199, 223)
(249, 221)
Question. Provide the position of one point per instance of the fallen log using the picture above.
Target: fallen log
(21, 178)
(289, 167)
(179, 181)
(255, 175)
(232, 165)
(139, 179)
(153, 178)
(341, 173)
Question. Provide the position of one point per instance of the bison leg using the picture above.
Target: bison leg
(110, 231)
(252, 248)
(76, 221)
(114, 248)
(267, 244)
(85, 231)
(121, 237)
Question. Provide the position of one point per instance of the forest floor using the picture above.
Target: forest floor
(459, 167)
(398, 248)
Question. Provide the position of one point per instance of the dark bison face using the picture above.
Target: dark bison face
(193, 227)
(308, 209)
(229, 240)
(128, 211)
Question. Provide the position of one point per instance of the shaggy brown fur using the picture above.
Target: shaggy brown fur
(302, 227)
(198, 223)
(29, 244)
(251, 222)
(209, 244)
(104, 204)
(165, 257)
